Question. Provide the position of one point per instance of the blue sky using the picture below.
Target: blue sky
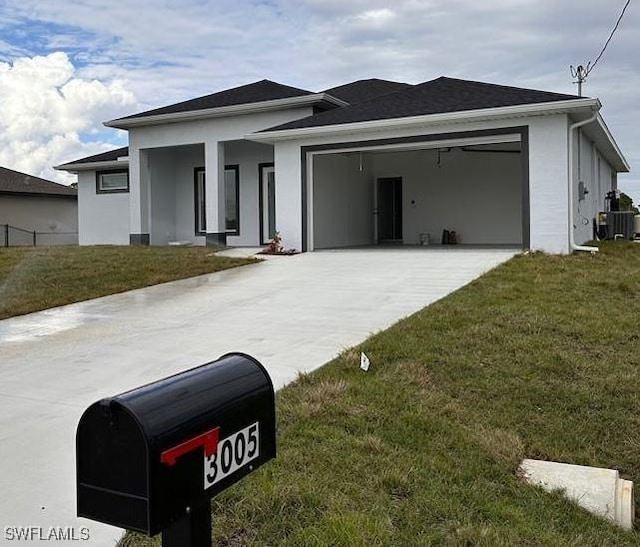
(121, 57)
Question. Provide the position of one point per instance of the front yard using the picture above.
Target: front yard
(33, 279)
(539, 358)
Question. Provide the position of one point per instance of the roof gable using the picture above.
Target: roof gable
(438, 96)
(362, 90)
(14, 182)
(264, 90)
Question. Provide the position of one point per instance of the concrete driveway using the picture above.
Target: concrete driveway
(292, 313)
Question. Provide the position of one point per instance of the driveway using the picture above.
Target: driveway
(292, 313)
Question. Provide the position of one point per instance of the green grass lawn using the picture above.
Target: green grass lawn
(539, 358)
(33, 279)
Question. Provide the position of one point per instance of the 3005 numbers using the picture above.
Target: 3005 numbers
(234, 452)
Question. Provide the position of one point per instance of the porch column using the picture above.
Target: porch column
(139, 199)
(214, 193)
(291, 204)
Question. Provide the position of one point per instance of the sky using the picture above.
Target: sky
(65, 67)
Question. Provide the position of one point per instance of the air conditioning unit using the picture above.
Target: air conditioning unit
(616, 225)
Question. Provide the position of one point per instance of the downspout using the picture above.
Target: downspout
(572, 242)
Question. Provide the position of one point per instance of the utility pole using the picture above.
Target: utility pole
(580, 74)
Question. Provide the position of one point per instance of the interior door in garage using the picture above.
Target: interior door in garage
(390, 209)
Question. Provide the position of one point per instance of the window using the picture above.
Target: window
(232, 200)
(200, 202)
(111, 182)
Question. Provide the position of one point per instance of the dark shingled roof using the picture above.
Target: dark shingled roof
(361, 90)
(111, 155)
(434, 97)
(264, 90)
(14, 182)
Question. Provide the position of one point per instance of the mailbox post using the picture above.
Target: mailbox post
(151, 459)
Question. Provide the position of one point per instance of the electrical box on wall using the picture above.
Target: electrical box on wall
(582, 191)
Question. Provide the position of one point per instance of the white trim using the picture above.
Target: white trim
(426, 145)
(236, 109)
(94, 165)
(462, 115)
(613, 143)
(310, 221)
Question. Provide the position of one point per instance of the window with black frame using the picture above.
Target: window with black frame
(200, 203)
(112, 182)
(232, 200)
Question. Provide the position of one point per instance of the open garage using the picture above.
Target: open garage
(465, 192)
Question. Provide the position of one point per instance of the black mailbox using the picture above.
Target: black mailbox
(147, 457)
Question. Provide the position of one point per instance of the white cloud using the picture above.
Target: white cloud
(44, 110)
(375, 17)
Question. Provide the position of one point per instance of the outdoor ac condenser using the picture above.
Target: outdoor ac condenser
(616, 225)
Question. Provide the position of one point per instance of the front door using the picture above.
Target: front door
(267, 203)
(390, 209)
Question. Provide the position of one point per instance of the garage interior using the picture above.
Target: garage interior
(411, 195)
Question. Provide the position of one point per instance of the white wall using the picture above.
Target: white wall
(548, 190)
(162, 168)
(248, 155)
(103, 219)
(171, 194)
(185, 161)
(594, 171)
(342, 201)
(476, 194)
(288, 173)
(41, 214)
(547, 174)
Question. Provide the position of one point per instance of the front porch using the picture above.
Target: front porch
(181, 202)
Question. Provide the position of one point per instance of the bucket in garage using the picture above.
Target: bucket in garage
(425, 239)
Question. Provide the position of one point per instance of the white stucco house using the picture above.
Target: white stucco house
(368, 162)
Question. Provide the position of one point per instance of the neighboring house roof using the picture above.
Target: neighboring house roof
(14, 182)
(111, 155)
(442, 95)
(361, 90)
(264, 90)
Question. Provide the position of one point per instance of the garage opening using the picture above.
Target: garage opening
(472, 191)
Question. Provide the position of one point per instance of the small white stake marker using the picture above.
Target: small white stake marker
(364, 362)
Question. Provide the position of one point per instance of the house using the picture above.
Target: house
(368, 162)
(30, 204)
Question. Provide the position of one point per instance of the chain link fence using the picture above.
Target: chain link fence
(12, 236)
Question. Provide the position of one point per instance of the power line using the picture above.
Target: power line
(610, 36)
(581, 72)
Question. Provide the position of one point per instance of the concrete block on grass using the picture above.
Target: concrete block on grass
(600, 491)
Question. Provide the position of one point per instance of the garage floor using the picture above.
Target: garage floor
(292, 313)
